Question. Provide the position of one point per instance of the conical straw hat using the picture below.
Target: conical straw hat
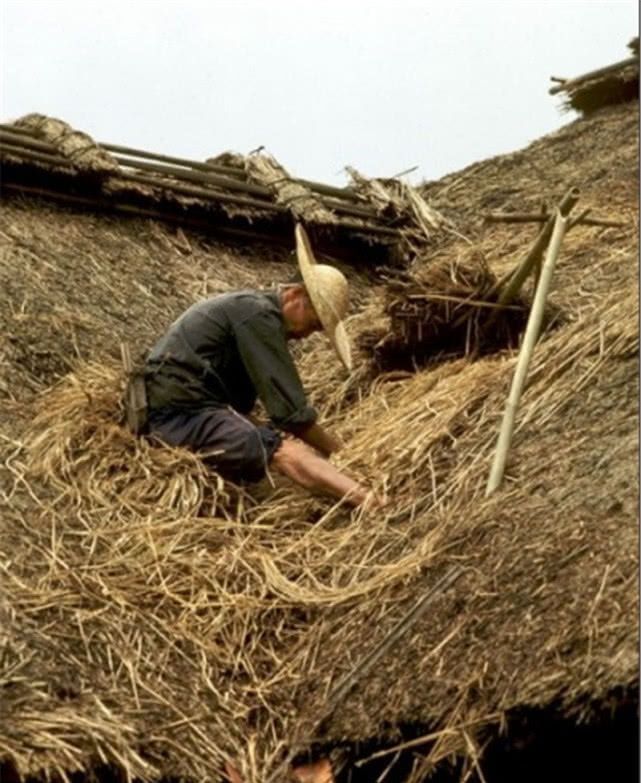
(327, 288)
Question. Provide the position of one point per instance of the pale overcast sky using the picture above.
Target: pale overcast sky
(381, 86)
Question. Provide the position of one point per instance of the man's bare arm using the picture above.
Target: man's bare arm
(318, 438)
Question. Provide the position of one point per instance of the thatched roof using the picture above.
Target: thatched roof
(616, 83)
(248, 197)
(160, 620)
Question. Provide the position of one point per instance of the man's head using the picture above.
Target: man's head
(298, 311)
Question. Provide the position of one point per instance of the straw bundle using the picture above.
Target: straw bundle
(78, 147)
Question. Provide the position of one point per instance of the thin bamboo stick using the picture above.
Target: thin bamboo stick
(367, 663)
(542, 217)
(532, 331)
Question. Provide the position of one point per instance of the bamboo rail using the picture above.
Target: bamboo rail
(23, 144)
(176, 187)
(191, 176)
(38, 157)
(577, 80)
(103, 203)
(23, 140)
(231, 171)
(532, 331)
(196, 192)
(346, 194)
(135, 211)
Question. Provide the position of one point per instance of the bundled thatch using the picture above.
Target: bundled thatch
(616, 83)
(448, 308)
(163, 621)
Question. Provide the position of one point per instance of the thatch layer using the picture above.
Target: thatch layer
(164, 621)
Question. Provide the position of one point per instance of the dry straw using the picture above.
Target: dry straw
(165, 622)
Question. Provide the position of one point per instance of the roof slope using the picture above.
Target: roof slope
(163, 621)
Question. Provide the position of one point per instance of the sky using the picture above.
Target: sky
(380, 86)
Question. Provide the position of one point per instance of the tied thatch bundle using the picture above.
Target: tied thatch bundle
(443, 309)
(299, 199)
(78, 147)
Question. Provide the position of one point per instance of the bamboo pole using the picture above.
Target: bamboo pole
(230, 171)
(101, 202)
(107, 204)
(212, 195)
(201, 177)
(18, 142)
(236, 185)
(16, 129)
(346, 194)
(198, 192)
(530, 337)
(19, 148)
(38, 157)
(23, 140)
(542, 217)
(576, 81)
(216, 168)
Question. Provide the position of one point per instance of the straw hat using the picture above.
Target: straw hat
(327, 288)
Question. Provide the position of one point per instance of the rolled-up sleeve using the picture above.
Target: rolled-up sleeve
(263, 348)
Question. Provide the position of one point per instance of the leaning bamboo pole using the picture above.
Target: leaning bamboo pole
(510, 285)
(532, 331)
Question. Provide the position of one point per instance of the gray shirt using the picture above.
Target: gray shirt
(229, 350)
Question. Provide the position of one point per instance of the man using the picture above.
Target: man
(204, 375)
